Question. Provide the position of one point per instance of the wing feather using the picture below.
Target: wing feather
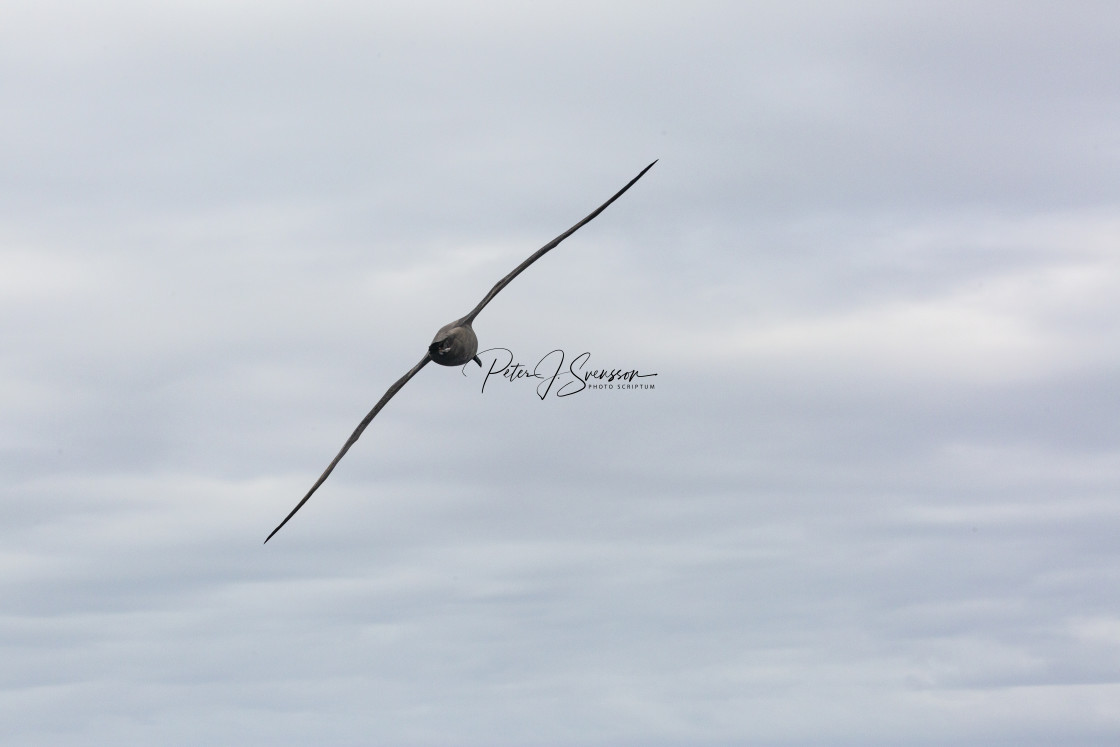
(544, 249)
(353, 439)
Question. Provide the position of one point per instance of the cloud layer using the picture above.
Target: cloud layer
(872, 498)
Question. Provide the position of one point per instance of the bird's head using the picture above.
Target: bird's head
(454, 345)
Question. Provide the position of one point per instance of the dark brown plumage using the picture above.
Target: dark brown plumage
(454, 345)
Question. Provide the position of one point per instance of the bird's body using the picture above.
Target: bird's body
(455, 344)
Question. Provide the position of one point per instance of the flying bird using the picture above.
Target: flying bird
(455, 344)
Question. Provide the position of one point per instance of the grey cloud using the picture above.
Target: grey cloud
(870, 500)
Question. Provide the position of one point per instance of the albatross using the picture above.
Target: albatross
(455, 344)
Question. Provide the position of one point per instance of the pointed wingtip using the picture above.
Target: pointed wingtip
(293, 513)
(643, 172)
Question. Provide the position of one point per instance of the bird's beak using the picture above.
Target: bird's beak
(477, 360)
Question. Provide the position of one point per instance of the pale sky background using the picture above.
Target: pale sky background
(874, 497)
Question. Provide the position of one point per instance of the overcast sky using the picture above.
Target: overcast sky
(873, 496)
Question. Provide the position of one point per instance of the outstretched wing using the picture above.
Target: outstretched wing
(550, 245)
(353, 439)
